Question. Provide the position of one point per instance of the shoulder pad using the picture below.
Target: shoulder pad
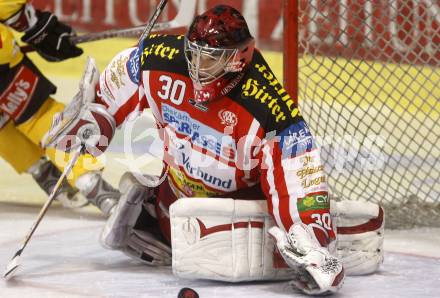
(164, 53)
(265, 98)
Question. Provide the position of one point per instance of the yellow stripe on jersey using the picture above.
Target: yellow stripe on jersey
(9, 51)
(9, 7)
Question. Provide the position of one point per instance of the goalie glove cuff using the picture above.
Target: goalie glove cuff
(93, 127)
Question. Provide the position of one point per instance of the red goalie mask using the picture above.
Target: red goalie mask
(218, 48)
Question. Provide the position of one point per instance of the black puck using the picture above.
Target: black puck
(187, 293)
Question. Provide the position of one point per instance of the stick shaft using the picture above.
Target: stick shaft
(126, 32)
(49, 201)
(153, 19)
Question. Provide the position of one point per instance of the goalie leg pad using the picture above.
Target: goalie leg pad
(360, 235)
(132, 228)
(121, 222)
(223, 239)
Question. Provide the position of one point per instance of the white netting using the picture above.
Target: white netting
(369, 87)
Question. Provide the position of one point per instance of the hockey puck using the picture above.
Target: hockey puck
(187, 293)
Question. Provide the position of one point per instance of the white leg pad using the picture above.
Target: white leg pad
(223, 239)
(360, 235)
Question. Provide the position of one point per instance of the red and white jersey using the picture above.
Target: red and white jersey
(252, 135)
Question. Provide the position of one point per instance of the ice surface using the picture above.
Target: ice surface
(64, 259)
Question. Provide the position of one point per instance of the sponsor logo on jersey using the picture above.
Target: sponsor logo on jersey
(14, 100)
(276, 101)
(307, 171)
(296, 140)
(232, 84)
(314, 182)
(197, 181)
(285, 97)
(227, 117)
(159, 50)
(133, 66)
(253, 89)
(198, 105)
(202, 174)
(117, 71)
(198, 133)
(3, 119)
(317, 201)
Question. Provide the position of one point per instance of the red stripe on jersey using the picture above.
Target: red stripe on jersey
(265, 187)
(143, 103)
(281, 187)
(239, 174)
(125, 110)
(98, 98)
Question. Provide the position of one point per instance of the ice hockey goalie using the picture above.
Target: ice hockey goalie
(243, 195)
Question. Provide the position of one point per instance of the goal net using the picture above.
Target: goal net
(369, 87)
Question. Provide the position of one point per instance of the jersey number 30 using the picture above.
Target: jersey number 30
(174, 90)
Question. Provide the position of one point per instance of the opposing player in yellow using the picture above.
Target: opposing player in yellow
(27, 108)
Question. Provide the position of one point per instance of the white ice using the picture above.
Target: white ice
(64, 259)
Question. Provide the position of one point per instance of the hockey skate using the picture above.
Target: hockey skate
(46, 175)
(98, 192)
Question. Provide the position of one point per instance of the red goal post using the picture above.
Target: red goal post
(366, 74)
(290, 46)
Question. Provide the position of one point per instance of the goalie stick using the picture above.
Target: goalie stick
(183, 18)
(13, 265)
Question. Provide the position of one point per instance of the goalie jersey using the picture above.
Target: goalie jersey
(253, 135)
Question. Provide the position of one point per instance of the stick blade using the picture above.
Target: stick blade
(12, 267)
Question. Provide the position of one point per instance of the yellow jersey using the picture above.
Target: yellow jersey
(9, 51)
(10, 7)
(23, 88)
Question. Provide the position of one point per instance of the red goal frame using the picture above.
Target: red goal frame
(290, 47)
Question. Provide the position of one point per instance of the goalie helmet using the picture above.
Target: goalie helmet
(218, 48)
